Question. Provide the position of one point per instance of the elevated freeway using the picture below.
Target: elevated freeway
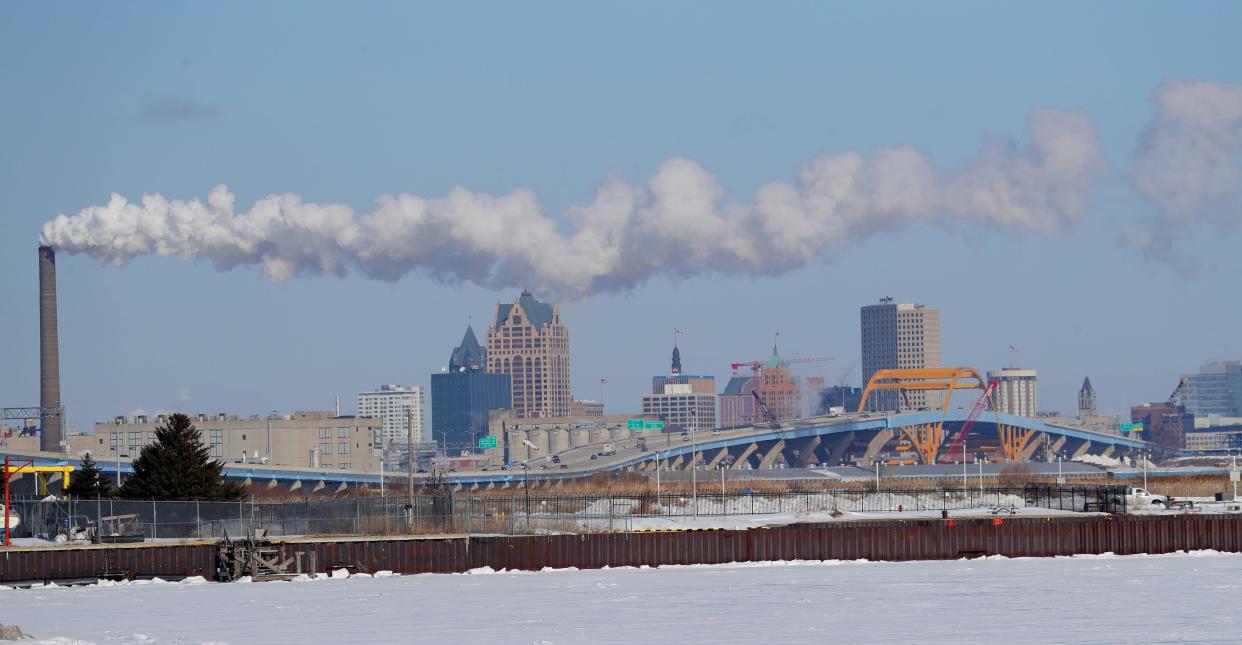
(848, 439)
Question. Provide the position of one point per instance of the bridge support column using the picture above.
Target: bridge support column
(926, 438)
(342, 488)
(295, 486)
(1031, 446)
(770, 457)
(272, 484)
(874, 446)
(1108, 451)
(318, 486)
(1057, 444)
(744, 457)
(724, 452)
(1081, 450)
(1014, 441)
(806, 450)
(835, 446)
(677, 463)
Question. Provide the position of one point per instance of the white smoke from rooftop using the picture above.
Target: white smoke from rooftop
(680, 223)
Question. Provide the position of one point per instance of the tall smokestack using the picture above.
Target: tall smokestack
(49, 354)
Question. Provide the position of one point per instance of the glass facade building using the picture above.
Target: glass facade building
(464, 393)
(1215, 390)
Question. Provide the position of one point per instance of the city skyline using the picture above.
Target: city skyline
(1102, 265)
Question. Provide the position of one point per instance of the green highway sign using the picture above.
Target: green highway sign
(487, 442)
(1132, 427)
(634, 424)
(653, 425)
(643, 424)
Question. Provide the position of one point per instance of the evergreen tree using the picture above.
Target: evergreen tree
(178, 466)
(89, 482)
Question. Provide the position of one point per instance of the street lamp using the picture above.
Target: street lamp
(526, 485)
(876, 463)
(694, 466)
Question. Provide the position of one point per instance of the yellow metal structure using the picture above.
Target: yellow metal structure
(41, 473)
(1013, 441)
(926, 437)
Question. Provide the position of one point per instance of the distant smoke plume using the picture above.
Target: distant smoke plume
(1187, 159)
(679, 223)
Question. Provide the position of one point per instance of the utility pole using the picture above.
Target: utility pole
(694, 467)
(409, 456)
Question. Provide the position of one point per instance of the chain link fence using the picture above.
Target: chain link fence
(517, 512)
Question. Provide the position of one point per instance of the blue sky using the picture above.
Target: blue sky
(345, 102)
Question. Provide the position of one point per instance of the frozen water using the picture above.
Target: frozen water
(1097, 599)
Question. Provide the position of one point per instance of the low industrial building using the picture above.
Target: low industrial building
(304, 439)
(517, 440)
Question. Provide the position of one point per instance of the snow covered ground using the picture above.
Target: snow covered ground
(1085, 599)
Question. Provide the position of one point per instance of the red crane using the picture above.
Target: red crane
(756, 365)
(959, 442)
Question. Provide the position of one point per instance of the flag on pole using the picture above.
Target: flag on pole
(603, 381)
(1012, 348)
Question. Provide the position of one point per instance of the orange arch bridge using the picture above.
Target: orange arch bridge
(927, 437)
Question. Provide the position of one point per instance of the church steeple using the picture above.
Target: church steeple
(676, 360)
(1086, 400)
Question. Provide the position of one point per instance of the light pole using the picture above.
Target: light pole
(877, 474)
(694, 467)
(963, 464)
(980, 462)
(1233, 473)
(1060, 475)
(1144, 456)
(526, 485)
(657, 455)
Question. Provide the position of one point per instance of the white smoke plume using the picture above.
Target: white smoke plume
(1187, 159)
(679, 223)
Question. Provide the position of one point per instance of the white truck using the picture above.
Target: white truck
(1139, 499)
(609, 449)
(836, 410)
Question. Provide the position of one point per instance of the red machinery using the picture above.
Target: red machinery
(756, 365)
(959, 442)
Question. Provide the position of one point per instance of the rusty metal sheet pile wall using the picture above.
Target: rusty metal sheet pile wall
(94, 562)
(871, 540)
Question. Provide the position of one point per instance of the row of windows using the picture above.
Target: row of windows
(342, 448)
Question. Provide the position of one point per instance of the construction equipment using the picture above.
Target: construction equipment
(755, 366)
(1178, 390)
(959, 442)
(768, 415)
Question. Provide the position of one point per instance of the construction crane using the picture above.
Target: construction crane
(755, 366)
(768, 415)
(1178, 390)
(959, 442)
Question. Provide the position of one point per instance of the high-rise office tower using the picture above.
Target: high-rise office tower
(898, 336)
(1015, 391)
(400, 407)
(463, 394)
(528, 342)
